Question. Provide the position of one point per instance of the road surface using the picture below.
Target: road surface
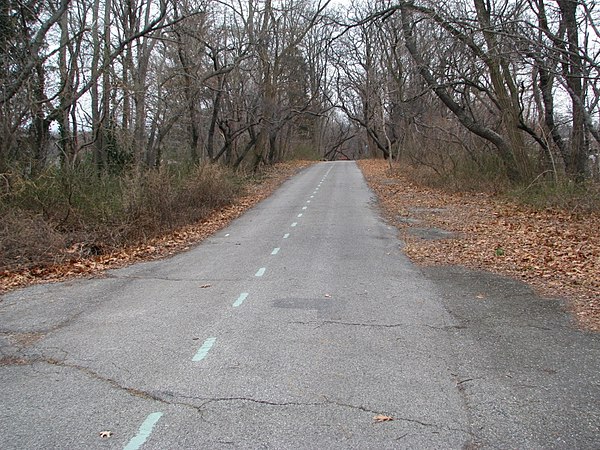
(297, 326)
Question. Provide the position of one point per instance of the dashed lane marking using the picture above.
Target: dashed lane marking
(243, 296)
(144, 432)
(304, 207)
(294, 224)
(286, 235)
(260, 272)
(275, 251)
(300, 215)
(203, 351)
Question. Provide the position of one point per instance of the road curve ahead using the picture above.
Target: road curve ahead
(301, 325)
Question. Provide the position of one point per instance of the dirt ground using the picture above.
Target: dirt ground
(555, 251)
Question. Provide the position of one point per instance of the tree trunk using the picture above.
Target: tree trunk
(504, 150)
(573, 72)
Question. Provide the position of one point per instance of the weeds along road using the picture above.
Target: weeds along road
(301, 325)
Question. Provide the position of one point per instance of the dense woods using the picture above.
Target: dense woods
(106, 99)
(144, 83)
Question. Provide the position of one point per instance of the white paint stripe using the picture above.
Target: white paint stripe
(294, 224)
(260, 272)
(307, 201)
(312, 196)
(227, 235)
(144, 432)
(243, 296)
(275, 251)
(300, 215)
(304, 207)
(203, 351)
(286, 235)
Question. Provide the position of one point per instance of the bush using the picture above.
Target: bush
(28, 239)
(161, 200)
(562, 193)
(42, 218)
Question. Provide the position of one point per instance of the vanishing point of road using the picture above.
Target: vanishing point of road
(300, 325)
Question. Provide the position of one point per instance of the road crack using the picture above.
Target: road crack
(359, 324)
(139, 393)
(325, 402)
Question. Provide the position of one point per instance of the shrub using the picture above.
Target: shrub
(58, 210)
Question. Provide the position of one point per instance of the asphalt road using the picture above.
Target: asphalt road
(294, 328)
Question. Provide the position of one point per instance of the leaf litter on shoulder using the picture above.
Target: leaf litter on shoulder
(556, 251)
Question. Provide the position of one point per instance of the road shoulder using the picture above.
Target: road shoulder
(555, 252)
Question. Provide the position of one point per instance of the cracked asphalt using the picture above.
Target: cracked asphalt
(207, 350)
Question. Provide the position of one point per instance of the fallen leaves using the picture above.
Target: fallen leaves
(556, 251)
(382, 418)
(204, 286)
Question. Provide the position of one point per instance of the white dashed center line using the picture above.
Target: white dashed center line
(260, 272)
(203, 351)
(144, 432)
(300, 215)
(243, 296)
(294, 224)
(286, 235)
(275, 251)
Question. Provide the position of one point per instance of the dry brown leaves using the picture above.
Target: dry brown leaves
(555, 251)
(379, 418)
(159, 247)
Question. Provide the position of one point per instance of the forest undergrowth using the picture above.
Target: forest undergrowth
(548, 239)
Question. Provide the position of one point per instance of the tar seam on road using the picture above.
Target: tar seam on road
(203, 351)
(275, 251)
(243, 296)
(260, 272)
(144, 432)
